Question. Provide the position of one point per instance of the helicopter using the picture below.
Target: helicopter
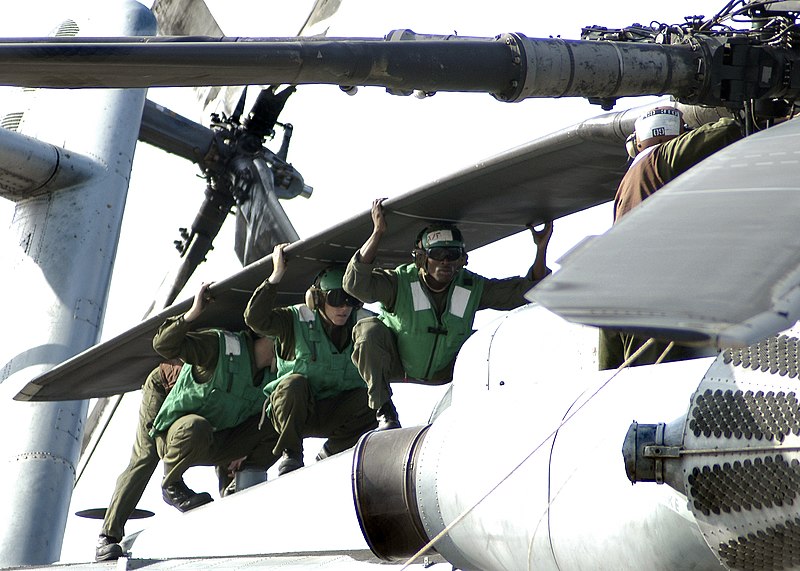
(177, 308)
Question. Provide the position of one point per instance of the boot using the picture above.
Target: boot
(290, 461)
(387, 416)
(323, 453)
(108, 548)
(180, 496)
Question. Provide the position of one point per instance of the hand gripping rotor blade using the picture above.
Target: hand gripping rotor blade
(713, 258)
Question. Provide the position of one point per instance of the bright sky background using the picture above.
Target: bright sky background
(350, 149)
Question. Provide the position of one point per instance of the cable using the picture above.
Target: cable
(664, 354)
(97, 440)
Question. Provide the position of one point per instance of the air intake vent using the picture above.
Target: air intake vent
(778, 355)
(11, 121)
(67, 28)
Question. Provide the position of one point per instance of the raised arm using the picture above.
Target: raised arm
(261, 315)
(176, 339)
(541, 238)
(369, 250)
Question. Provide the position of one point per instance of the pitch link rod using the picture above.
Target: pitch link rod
(511, 67)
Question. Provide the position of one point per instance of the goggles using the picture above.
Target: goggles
(445, 253)
(338, 297)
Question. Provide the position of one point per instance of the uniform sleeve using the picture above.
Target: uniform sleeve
(370, 283)
(264, 318)
(506, 293)
(175, 340)
(682, 153)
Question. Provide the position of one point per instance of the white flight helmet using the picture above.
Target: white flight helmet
(656, 126)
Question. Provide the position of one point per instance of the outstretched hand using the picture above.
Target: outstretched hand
(542, 237)
(201, 300)
(369, 249)
(378, 218)
(278, 263)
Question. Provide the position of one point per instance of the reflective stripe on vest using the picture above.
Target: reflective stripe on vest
(225, 400)
(427, 343)
(328, 370)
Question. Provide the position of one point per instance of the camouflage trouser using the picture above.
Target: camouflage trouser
(295, 414)
(144, 459)
(192, 441)
(376, 357)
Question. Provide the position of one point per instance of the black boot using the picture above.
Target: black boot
(290, 461)
(323, 453)
(387, 416)
(179, 495)
(108, 548)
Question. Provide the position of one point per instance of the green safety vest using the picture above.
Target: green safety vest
(227, 399)
(328, 370)
(426, 342)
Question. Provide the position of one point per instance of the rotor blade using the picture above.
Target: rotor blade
(317, 23)
(185, 18)
(174, 133)
(554, 176)
(261, 221)
(199, 241)
(193, 18)
(239, 109)
(712, 258)
(404, 62)
(265, 112)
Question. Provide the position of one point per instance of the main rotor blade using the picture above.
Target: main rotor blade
(712, 258)
(510, 67)
(174, 133)
(193, 18)
(164, 62)
(185, 18)
(317, 22)
(261, 221)
(554, 176)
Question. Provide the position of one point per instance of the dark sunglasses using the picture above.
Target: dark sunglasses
(338, 298)
(441, 254)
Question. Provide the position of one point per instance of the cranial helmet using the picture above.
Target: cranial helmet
(330, 279)
(440, 236)
(327, 280)
(658, 125)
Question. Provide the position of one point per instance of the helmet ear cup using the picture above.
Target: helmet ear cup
(419, 257)
(630, 145)
(314, 298)
(310, 299)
